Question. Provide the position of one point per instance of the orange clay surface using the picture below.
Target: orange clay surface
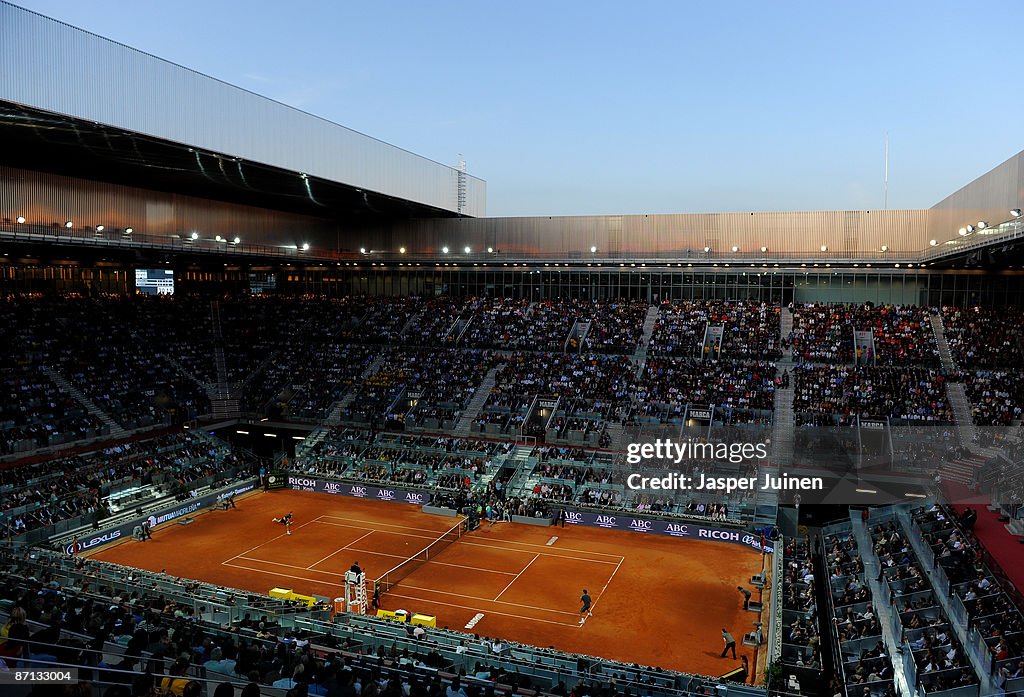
(657, 601)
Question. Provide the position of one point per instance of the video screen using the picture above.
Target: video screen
(154, 281)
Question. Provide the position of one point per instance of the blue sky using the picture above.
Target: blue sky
(576, 108)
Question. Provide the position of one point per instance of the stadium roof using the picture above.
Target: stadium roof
(146, 120)
(37, 140)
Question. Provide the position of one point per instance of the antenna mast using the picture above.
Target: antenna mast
(885, 200)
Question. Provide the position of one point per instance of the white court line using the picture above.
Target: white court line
(474, 609)
(615, 571)
(284, 534)
(463, 540)
(403, 585)
(287, 566)
(385, 532)
(535, 558)
(543, 554)
(567, 549)
(274, 573)
(429, 590)
(365, 551)
(378, 524)
(435, 534)
(405, 556)
(310, 567)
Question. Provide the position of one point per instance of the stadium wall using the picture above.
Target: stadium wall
(846, 234)
(96, 538)
(40, 196)
(988, 198)
(49, 65)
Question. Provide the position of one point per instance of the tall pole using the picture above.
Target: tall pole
(885, 201)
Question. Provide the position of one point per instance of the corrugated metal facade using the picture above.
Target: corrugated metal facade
(50, 199)
(842, 232)
(988, 198)
(846, 234)
(52, 66)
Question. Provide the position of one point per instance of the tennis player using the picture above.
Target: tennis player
(585, 599)
(286, 521)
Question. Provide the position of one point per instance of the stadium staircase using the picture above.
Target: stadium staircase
(957, 622)
(217, 406)
(580, 330)
(783, 427)
(310, 443)
(334, 415)
(616, 436)
(258, 370)
(640, 355)
(115, 430)
(962, 470)
(959, 470)
(883, 610)
(521, 482)
(945, 355)
(224, 399)
(462, 429)
(181, 368)
(410, 323)
(786, 326)
(962, 415)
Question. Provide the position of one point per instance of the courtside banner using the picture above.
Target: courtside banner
(624, 521)
(361, 491)
(94, 539)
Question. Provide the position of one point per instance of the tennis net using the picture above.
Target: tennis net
(395, 575)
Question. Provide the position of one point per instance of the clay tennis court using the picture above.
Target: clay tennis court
(658, 601)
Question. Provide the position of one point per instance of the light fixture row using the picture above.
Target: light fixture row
(69, 224)
(444, 250)
(963, 232)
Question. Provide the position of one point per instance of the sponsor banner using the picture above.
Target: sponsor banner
(235, 491)
(302, 483)
(94, 539)
(360, 491)
(624, 521)
(158, 518)
(699, 413)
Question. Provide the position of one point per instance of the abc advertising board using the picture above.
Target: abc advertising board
(361, 491)
(94, 539)
(617, 521)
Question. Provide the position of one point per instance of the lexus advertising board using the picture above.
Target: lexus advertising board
(172, 512)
